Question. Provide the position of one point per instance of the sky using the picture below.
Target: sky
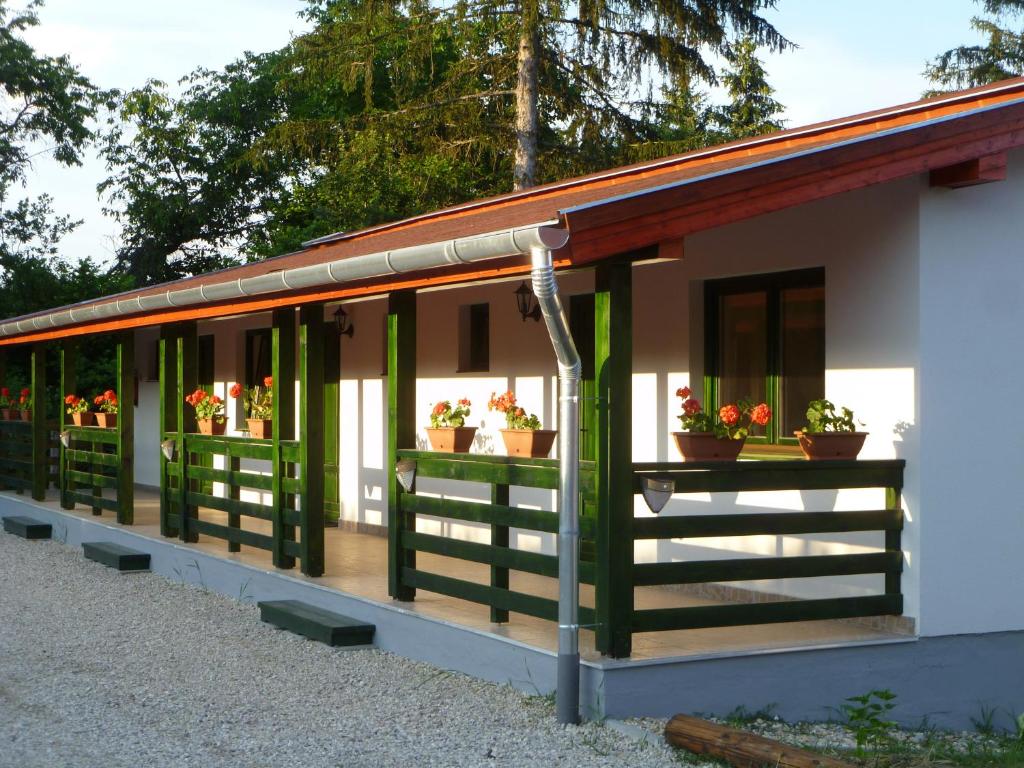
(852, 56)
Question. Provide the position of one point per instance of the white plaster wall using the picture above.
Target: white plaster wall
(867, 243)
(971, 429)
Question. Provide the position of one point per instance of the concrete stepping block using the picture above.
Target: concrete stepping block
(27, 527)
(316, 623)
(116, 556)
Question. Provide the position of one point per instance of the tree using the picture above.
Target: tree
(47, 101)
(752, 109)
(1000, 57)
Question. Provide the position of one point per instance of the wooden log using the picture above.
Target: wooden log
(741, 749)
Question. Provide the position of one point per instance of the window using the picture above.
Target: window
(258, 364)
(474, 337)
(765, 340)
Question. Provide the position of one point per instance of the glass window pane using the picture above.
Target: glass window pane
(802, 339)
(743, 347)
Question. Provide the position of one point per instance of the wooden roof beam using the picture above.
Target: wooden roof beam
(979, 170)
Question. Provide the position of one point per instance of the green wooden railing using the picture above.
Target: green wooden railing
(771, 476)
(501, 473)
(188, 489)
(92, 470)
(16, 463)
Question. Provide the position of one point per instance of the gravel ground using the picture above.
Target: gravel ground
(103, 669)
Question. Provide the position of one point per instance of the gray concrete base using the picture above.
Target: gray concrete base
(944, 680)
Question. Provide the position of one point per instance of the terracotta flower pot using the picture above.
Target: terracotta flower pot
(534, 443)
(26, 415)
(451, 439)
(6, 414)
(83, 419)
(823, 446)
(212, 426)
(704, 446)
(261, 429)
(106, 420)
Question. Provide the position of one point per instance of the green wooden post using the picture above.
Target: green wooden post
(168, 416)
(234, 465)
(68, 358)
(126, 428)
(613, 352)
(311, 437)
(40, 466)
(187, 371)
(499, 538)
(893, 543)
(283, 371)
(332, 443)
(401, 431)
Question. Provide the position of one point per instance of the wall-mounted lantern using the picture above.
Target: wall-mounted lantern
(526, 302)
(343, 323)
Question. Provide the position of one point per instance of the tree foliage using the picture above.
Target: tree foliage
(1001, 55)
(389, 108)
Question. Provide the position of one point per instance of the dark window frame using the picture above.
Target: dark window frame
(474, 338)
(773, 283)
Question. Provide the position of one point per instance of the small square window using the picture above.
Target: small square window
(474, 337)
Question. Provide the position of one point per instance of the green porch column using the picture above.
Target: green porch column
(311, 437)
(40, 465)
(168, 417)
(126, 428)
(187, 379)
(283, 371)
(613, 353)
(68, 360)
(401, 431)
(332, 441)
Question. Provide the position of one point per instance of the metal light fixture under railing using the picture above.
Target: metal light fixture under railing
(168, 448)
(657, 492)
(406, 472)
(65, 438)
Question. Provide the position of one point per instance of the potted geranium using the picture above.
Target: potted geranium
(523, 435)
(107, 404)
(259, 407)
(716, 437)
(5, 404)
(209, 412)
(448, 431)
(78, 408)
(830, 435)
(25, 404)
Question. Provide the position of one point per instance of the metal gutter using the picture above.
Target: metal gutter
(465, 250)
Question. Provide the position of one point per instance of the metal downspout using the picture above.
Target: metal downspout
(545, 288)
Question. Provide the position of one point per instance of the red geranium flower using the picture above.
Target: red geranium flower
(465, 401)
(26, 392)
(684, 392)
(215, 399)
(23, 399)
(268, 381)
(236, 390)
(98, 400)
(729, 414)
(5, 392)
(691, 407)
(70, 400)
(439, 409)
(761, 414)
(110, 395)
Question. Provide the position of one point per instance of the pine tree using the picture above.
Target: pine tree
(1000, 57)
(752, 109)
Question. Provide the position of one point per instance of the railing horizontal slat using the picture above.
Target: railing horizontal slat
(240, 447)
(73, 456)
(93, 434)
(237, 535)
(490, 514)
(503, 599)
(664, 619)
(91, 479)
(712, 477)
(88, 500)
(232, 506)
(752, 569)
(237, 478)
(501, 470)
(694, 526)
